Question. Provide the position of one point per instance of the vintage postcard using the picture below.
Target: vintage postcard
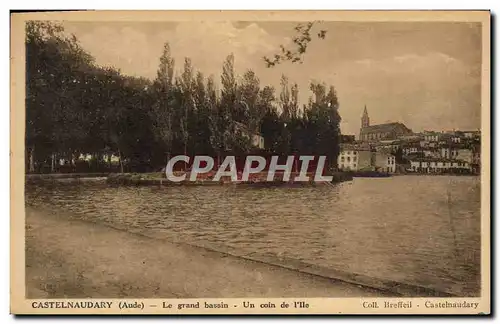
(250, 162)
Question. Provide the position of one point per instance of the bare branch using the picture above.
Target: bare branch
(300, 43)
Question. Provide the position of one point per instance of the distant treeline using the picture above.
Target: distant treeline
(74, 107)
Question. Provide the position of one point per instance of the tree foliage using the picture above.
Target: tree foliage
(75, 107)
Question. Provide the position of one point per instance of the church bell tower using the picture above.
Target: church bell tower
(365, 120)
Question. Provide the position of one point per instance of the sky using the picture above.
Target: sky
(423, 74)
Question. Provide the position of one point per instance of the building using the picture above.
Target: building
(361, 157)
(457, 151)
(439, 165)
(472, 134)
(432, 153)
(385, 162)
(389, 145)
(347, 138)
(354, 157)
(456, 139)
(431, 136)
(448, 152)
(476, 158)
(465, 154)
(412, 148)
(446, 139)
(375, 133)
(256, 139)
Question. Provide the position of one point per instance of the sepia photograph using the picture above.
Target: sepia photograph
(238, 162)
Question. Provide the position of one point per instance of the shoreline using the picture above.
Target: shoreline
(44, 176)
(155, 179)
(58, 265)
(145, 179)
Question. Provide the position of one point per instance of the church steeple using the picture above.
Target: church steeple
(365, 120)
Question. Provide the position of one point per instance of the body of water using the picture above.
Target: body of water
(422, 230)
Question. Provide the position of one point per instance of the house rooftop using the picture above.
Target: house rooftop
(384, 152)
(355, 147)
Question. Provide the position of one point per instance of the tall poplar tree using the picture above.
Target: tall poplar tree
(163, 107)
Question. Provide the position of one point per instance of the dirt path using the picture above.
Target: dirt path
(70, 258)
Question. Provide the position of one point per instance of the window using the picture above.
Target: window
(354, 159)
(348, 159)
(342, 159)
(355, 152)
(354, 164)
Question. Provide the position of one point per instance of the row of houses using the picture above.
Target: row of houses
(361, 157)
(428, 151)
(437, 165)
(443, 152)
(450, 136)
(393, 147)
